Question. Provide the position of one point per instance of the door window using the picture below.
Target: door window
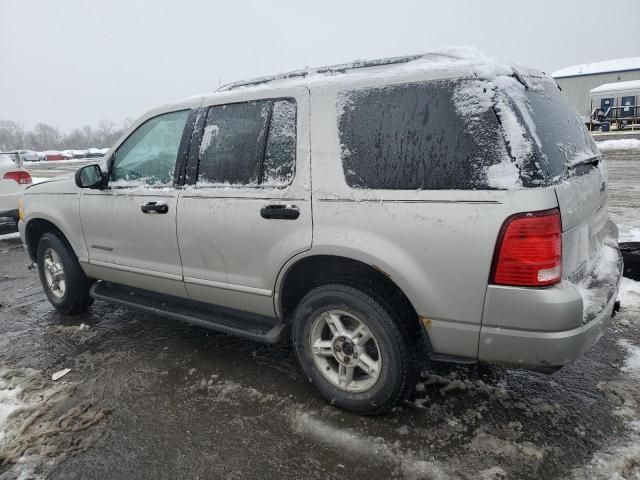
(149, 155)
(248, 144)
(606, 104)
(627, 106)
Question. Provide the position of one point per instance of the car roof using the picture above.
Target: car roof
(452, 62)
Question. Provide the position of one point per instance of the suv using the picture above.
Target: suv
(438, 206)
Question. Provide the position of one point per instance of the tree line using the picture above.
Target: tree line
(13, 136)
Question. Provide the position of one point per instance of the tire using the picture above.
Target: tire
(74, 297)
(390, 349)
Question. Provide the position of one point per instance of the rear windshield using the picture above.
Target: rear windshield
(560, 138)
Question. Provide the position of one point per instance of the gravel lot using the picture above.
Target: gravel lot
(150, 398)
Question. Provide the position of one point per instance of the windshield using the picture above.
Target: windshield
(560, 138)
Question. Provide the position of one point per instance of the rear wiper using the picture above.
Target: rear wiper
(595, 160)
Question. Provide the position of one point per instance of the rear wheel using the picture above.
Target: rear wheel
(64, 281)
(355, 352)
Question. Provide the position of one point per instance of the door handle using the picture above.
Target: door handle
(155, 207)
(281, 212)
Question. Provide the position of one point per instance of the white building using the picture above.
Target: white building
(577, 81)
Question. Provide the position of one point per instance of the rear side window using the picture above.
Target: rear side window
(248, 144)
(410, 136)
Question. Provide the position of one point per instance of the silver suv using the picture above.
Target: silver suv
(438, 206)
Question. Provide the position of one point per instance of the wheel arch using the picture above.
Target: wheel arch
(305, 273)
(35, 228)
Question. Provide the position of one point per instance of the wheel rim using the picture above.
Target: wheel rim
(345, 351)
(54, 273)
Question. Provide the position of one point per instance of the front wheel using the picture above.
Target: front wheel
(62, 278)
(355, 352)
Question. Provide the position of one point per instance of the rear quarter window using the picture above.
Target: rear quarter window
(410, 136)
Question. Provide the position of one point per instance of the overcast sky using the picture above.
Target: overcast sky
(74, 62)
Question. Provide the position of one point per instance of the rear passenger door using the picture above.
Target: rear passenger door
(246, 208)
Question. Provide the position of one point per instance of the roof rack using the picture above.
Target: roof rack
(334, 69)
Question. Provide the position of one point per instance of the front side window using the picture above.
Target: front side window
(149, 155)
(248, 144)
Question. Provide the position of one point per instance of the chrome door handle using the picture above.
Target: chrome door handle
(155, 207)
(281, 212)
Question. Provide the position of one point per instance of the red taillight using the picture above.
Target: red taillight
(19, 176)
(529, 250)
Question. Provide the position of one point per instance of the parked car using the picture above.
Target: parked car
(13, 180)
(378, 214)
(94, 153)
(29, 156)
(53, 155)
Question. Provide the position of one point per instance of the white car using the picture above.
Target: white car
(13, 180)
(29, 156)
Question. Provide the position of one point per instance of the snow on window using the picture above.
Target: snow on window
(210, 131)
(240, 148)
(415, 136)
(279, 160)
(232, 143)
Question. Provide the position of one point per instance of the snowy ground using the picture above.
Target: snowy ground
(149, 398)
(619, 144)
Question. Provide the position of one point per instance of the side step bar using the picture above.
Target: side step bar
(231, 322)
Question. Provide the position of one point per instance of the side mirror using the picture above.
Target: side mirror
(89, 176)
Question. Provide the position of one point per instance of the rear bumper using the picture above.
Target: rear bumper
(580, 315)
(9, 213)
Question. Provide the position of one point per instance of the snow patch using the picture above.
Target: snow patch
(9, 236)
(503, 175)
(39, 420)
(210, 132)
(629, 294)
(598, 287)
(615, 65)
(303, 423)
(619, 144)
(632, 362)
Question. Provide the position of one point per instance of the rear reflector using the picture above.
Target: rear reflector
(529, 250)
(19, 176)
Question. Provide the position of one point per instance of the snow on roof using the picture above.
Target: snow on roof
(607, 66)
(617, 87)
(453, 56)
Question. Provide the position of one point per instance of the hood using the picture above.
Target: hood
(65, 184)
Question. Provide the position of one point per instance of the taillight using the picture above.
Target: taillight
(529, 250)
(19, 176)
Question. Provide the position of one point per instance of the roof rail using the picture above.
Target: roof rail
(334, 69)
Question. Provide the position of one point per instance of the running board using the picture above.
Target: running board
(252, 327)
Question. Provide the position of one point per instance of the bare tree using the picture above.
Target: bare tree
(12, 135)
(46, 137)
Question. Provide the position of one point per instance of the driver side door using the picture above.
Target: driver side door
(130, 226)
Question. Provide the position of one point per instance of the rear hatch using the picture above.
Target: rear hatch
(566, 158)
